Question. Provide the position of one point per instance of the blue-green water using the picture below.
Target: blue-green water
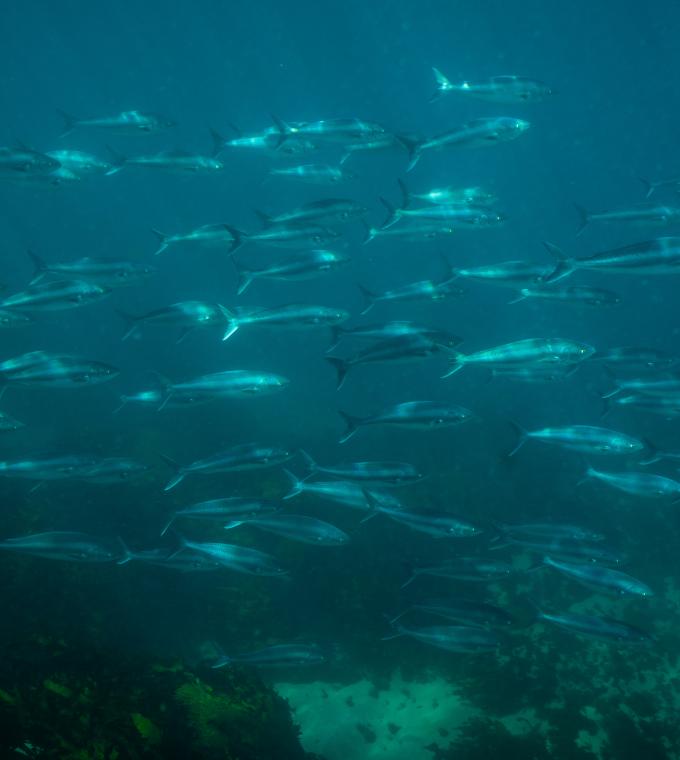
(609, 119)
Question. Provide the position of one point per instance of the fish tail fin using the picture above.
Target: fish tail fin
(443, 85)
(653, 453)
(244, 278)
(127, 554)
(563, 268)
(178, 477)
(70, 122)
(169, 523)
(162, 240)
(369, 297)
(40, 268)
(222, 658)
(123, 402)
(649, 186)
(521, 297)
(131, 321)
(405, 195)
(522, 436)
(296, 485)
(584, 219)
(393, 214)
(414, 574)
(310, 464)
(589, 474)
(238, 238)
(265, 219)
(282, 128)
(217, 142)
(341, 369)
(336, 337)
(456, 363)
(606, 406)
(413, 146)
(117, 160)
(352, 425)
(369, 232)
(232, 321)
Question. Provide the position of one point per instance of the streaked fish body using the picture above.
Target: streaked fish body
(286, 236)
(328, 210)
(508, 273)
(234, 383)
(63, 545)
(597, 627)
(644, 213)
(209, 235)
(305, 265)
(376, 473)
(306, 530)
(434, 523)
(549, 530)
(393, 330)
(23, 162)
(287, 316)
(573, 294)
(55, 296)
(172, 160)
(417, 415)
(247, 456)
(238, 558)
(508, 88)
(567, 549)
(341, 131)
(347, 493)
(185, 314)
(643, 484)
(10, 319)
(230, 508)
(475, 569)
(633, 357)
(602, 578)
(414, 291)
(79, 163)
(547, 351)
(536, 373)
(113, 470)
(465, 611)
(452, 638)
(277, 656)
(58, 371)
(409, 230)
(315, 174)
(451, 196)
(8, 423)
(126, 122)
(584, 438)
(65, 467)
(106, 273)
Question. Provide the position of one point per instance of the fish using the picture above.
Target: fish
(376, 473)
(328, 210)
(230, 383)
(209, 235)
(40, 368)
(315, 174)
(586, 439)
(238, 558)
(569, 549)
(434, 523)
(644, 213)
(500, 89)
(277, 656)
(125, 122)
(530, 351)
(339, 131)
(464, 611)
(187, 315)
(643, 484)
(506, 273)
(229, 508)
(392, 330)
(107, 273)
(9, 424)
(472, 134)
(170, 160)
(22, 161)
(452, 638)
(604, 579)
(534, 373)
(658, 256)
(672, 183)
(285, 236)
(246, 456)
(416, 415)
(592, 626)
(305, 265)
(407, 348)
(62, 467)
(157, 398)
(413, 291)
(476, 569)
(69, 546)
(634, 357)
(268, 141)
(665, 385)
(306, 530)
(78, 163)
(346, 493)
(454, 196)
(112, 470)
(666, 407)
(409, 230)
(549, 530)
(287, 316)
(55, 295)
(381, 142)
(575, 294)
(10, 319)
